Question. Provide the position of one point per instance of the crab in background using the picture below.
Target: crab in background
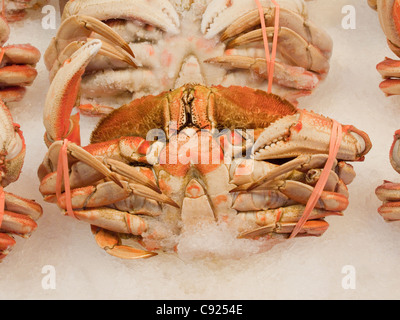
(389, 17)
(19, 214)
(17, 66)
(389, 13)
(16, 10)
(214, 42)
(17, 70)
(389, 192)
(159, 166)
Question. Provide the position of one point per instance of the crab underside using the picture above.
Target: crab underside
(163, 165)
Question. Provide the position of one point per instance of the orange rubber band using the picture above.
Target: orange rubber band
(63, 171)
(2, 204)
(2, 52)
(270, 57)
(336, 139)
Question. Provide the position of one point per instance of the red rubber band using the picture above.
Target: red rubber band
(336, 138)
(270, 57)
(63, 172)
(2, 204)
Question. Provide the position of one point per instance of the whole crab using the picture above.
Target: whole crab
(389, 11)
(175, 42)
(19, 214)
(164, 165)
(17, 66)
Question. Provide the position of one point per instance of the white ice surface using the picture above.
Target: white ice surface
(300, 269)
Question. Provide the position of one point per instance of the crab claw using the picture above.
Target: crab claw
(308, 133)
(62, 94)
(78, 28)
(12, 152)
(115, 55)
(159, 13)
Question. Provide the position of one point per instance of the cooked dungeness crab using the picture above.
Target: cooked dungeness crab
(17, 66)
(389, 192)
(389, 13)
(15, 10)
(19, 214)
(164, 165)
(214, 42)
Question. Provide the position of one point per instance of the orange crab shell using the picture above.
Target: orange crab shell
(237, 108)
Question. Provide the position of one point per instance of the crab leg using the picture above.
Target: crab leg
(16, 66)
(78, 28)
(113, 220)
(90, 196)
(278, 195)
(84, 156)
(159, 13)
(389, 193)
(18, 224)
(21, 54)
(287, 214)
(292, 46)
(282, 221)
(86, 173)
(6, 244)
(285, 75)
(92, 168)
(22, 75)
(288, 20)
(23, 206)
(12, 94)
(20, 215)
(300, 163)
(130, 173)
(390, 70)
(220, 14)
(108, 193)
(111, 243)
